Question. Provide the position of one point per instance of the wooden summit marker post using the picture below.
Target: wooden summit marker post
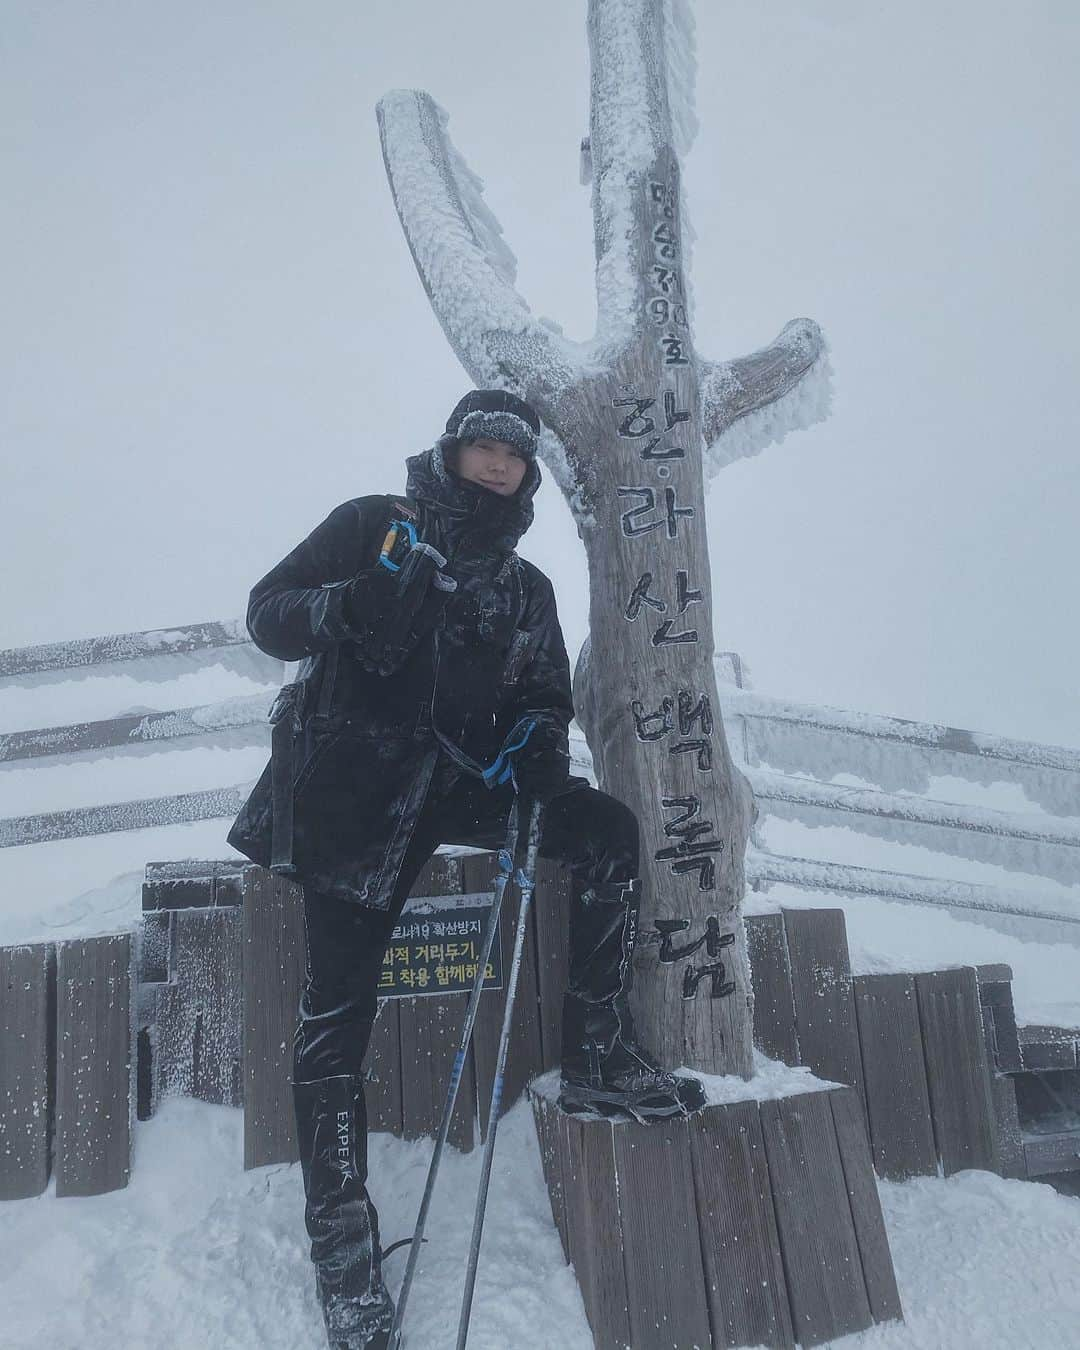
(630, 419)
(627, 420)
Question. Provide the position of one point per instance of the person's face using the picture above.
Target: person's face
(495, 465)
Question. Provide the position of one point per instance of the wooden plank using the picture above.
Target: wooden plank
(156, 947)
(1048, 1047)
(141, 813)
(478, 874)
(177, 892)
(990, 976)
(274, 959)
(763, 869)
(27, 1041)
(744, 1276)
(956, 1069)
(999, 1017)
(157, 642)
(1006, 1038)
(524, 1059)
(418, 1104)
(430, 1033)
(189, 883)
(560, 1134)
(897, 1096)
(211, 721)
(199, 1014)
(382, 1065)
(591, 1148)
(767, 713)
(551, 1161)
(93, 1065)
(1010, 1144)
(986, 1016)
(553, 898)
(813, 1218)
(774, 1000)
(580, 1250)
(665, 1277)
(824, 1003)
(1049, 1153)
(154, 964)
(877, 1266)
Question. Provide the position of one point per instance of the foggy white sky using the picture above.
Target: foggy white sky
(213, 332)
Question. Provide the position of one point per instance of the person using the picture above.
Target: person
(427, 647)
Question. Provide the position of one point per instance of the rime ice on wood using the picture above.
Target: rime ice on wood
(634, 419)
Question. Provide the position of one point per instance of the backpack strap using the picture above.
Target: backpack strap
(285, 716)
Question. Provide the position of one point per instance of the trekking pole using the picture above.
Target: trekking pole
(506, 864)
(526, 880)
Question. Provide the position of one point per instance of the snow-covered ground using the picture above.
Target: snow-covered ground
(197, 1253)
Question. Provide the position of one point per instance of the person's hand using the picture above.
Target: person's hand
(390, 611)
(368, 598)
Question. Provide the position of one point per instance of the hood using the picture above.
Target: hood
(469, 515)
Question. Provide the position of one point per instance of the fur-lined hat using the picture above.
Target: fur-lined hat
(498, 415)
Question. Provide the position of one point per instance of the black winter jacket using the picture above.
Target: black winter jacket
(365, 745)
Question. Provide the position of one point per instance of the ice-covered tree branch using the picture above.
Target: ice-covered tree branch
(629, 127)
(752, 401)
(465, 264)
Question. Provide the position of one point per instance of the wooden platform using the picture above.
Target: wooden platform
(218, 972)
(913, 1046)
(752, 1223)
(93, 1065)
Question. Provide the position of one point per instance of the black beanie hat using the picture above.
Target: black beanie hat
(498, 415)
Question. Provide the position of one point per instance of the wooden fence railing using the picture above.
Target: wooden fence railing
(189, 972)
(780, 744)
(201, 1000)
(789, 750)
(80, 653)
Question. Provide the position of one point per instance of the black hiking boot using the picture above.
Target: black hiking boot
(605, 1069)
(331, 1129)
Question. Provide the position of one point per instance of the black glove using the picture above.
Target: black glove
(390, 611)
(541, 775)
(368, 599)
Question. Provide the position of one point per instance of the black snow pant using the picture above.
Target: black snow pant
(595, 834)
(592, 832)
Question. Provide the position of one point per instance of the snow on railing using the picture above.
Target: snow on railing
(95, 651)
(1020, 841)
(893, 753)
(763, 868)
(148, 812)
(139, 729)
(790, 751)
(745, 703)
